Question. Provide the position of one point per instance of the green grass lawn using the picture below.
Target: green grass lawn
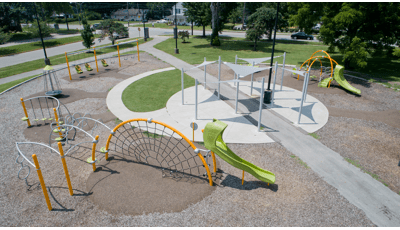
(8, 85)
(58, 59)
(197, 48)
(152, 92)
(16, 49)
(25, 35)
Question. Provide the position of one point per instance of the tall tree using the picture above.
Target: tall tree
(108, 27)
(10, 14)
(87, 34)
(199, 13)
(305, 14)
(261, 22)
(219, 15)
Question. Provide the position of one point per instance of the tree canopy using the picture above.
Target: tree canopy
(199, 13)
(108, 27)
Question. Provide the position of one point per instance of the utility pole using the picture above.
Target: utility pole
(244, 10)
(46, 60)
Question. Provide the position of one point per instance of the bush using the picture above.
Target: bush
(183, 35)
(216, 42)
(4, 37)
(34, 30)
(91, 15)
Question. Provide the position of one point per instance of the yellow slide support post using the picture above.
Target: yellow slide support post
(119, 57)
(46, 196)
(69, 71)
(64, 163)
(58, 126)
(26, 113)
(137, 46)
(95, 58)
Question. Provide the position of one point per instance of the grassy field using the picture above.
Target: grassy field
(16, 49)
(197, 48)
(8, 85)
(25, 35)
(152, 93)
(58, 59)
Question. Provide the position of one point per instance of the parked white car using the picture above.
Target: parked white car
(117, 36)
(162, 21)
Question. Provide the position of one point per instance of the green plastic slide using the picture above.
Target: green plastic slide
(339, 78)
(213, 141)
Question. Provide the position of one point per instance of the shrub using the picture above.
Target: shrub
(183, 35)
(34, 29)
(4, 37)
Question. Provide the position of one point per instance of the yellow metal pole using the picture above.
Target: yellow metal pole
(95, 58)
(56, 117)
(69, 71)
(214, 162)
(26, 113)
(108, 145)
(243, 177)
(46, 196)
(94, 152)
(65, 168)
(119, 57)
(137, 46)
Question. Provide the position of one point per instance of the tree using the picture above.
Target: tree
(87, 34)
(305, 14)
(158, 10)
(199, 13)
(3, 36)
(219, 15)
(263, 22)
(108, 27)
(355, 27)
(58, 8)
(10, 15)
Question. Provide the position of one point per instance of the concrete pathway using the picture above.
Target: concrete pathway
(380, 204)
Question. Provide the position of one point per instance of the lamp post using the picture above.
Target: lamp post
(269, 92)
(176, 33)
(46, 60)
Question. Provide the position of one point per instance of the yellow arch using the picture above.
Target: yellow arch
(170, 127)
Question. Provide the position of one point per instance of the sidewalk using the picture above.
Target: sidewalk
(380, 204)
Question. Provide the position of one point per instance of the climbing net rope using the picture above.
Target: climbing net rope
(161, 146)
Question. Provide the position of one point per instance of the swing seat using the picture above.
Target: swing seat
(88, 68)
(36, 119)
(24, 118)
(50, 119)
(78, 69)
(43, 119)
(60, 122)
(104, 63)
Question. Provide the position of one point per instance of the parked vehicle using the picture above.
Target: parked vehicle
(117, 36)
(302, 35)
(162, 21)
(96, 26)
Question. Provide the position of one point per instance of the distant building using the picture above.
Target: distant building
(131, 15)
(180, 17)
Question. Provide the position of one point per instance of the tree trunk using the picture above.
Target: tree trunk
(204, 31)
(66, 21)
(270, 34)
(244, 9)
(192, 28)
(215, 20)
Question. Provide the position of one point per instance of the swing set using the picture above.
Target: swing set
(75, 59)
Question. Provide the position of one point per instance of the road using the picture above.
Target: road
(133, 32)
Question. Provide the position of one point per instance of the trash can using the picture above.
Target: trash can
(175, 33)
(267, 96)
(146, 32)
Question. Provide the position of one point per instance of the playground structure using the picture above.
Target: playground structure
(51, 84)
(335, 73)
(110, 53)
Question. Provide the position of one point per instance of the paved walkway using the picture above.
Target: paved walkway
(380, 204)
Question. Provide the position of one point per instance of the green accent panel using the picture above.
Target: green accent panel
(324, 83)
(24, 118)
(48, 67)
(103, 150)
(213, 141)
(339, 78)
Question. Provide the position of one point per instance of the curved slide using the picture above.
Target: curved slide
(212, 136)
(339, 78)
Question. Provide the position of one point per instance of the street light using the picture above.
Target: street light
(176, 33)
(46, 60)
(268, 95)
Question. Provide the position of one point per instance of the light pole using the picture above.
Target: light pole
(46, 60)
(176, 33)
(268, 96)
